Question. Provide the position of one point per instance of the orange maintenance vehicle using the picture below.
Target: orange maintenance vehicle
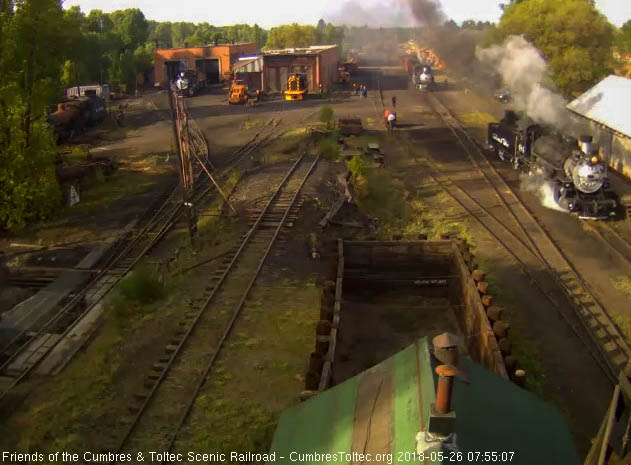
(238, 93)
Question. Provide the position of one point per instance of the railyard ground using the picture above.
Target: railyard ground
(82, 404)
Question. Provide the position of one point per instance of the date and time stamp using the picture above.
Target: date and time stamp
(457, 457)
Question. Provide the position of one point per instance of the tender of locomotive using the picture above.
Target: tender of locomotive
(578, 173)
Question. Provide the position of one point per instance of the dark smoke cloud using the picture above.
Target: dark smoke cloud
(456, 47)
(388, 13)
(428, 13)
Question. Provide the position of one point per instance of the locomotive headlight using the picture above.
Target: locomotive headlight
(594, 160)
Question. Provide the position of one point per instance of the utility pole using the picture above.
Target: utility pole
(183, 147)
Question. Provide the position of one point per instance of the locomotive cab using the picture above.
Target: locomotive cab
(296, 87)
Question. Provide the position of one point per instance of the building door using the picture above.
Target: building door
(210, 67)
(283, 79)
(307, 71)
(274, 85)
(172, 69)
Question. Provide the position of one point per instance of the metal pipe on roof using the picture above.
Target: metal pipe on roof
(446, 375)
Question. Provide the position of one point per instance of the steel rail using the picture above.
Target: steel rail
(238, 309)
(185, 337)
(96, 284)
(590, 319)
(597, 356)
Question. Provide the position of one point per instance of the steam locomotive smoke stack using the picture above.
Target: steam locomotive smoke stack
(585, 143)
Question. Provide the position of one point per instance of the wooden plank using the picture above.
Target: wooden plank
(330, 355)
(326, 376)
(407, 411)
(609, 427)
(338, 289)
(340, 268)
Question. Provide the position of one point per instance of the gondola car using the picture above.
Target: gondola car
(577, 172)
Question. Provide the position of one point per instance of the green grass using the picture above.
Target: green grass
(624, 324)
(476, 119)
(64, 412)
(259, 373)
(329, 148)
(285, 146)
(249, 124)
(528, 358)
(122, 185)
(141, 286)
(623, 284)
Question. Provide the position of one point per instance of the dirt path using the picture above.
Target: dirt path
(559, 362)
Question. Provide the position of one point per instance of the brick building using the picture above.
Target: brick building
(215, 61)
(269, 71)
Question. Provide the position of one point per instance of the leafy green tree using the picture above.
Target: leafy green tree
(30, 53)
(161, 36)
(131, 26)
(292, 35)
(623, 38)
(573, 36)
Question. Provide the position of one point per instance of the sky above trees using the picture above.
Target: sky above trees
(357, 12)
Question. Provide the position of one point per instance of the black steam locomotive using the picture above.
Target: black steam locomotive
(578, 174)
(423, 78)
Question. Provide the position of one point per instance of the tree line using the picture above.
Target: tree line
(575, 38)
(45, 48)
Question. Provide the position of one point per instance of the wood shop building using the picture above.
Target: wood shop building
(269, 71)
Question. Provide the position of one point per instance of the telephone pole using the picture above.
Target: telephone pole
(181, 135)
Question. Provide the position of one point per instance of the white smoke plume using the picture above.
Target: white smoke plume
(542, 187)
(524, 71)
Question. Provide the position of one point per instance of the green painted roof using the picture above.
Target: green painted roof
(381, 410)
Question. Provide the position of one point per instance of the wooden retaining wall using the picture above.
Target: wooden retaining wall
(481, 323)
(474, 322)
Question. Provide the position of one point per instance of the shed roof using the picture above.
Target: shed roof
(230, 45)
(382, 409)
(311, 50)
(249, 65)
(607, 103)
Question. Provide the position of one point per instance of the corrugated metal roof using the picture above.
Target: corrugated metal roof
(251, 65)
(607, 103)
(311, 50)
(382, 409)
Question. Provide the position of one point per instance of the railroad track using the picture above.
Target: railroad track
(171, 387)
(515, 227)
(33, 344)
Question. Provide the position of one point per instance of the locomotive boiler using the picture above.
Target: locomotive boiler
(74, 114)
(578, 175)
(423, 78)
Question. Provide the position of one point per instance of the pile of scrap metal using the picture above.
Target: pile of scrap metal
(75, 114)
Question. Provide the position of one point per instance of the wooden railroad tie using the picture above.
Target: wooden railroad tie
(494, 313)
(500, 328)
